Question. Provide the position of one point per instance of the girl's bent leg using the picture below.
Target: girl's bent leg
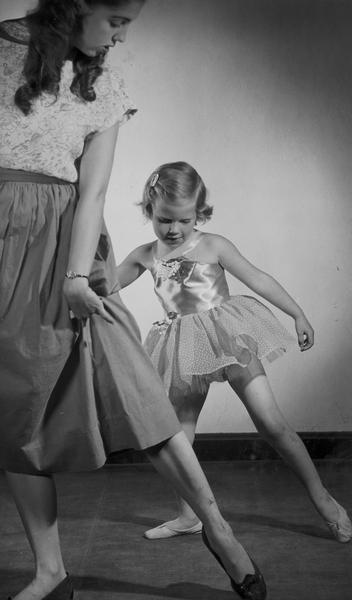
(176, 461)
(35, 498)
(259, 400)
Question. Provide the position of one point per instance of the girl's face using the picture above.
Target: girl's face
(174, 222)
(104, 25)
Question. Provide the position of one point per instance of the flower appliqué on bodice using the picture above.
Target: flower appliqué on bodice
(174, 268)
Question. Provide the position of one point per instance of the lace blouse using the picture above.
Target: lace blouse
(52, 136)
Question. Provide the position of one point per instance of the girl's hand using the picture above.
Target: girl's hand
(83, 301)
(305, 333)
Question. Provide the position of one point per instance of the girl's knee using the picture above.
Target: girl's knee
(277, 431)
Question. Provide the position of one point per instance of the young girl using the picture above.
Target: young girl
(208, 335)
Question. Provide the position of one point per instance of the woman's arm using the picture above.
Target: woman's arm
(265, 286)
(95, 170)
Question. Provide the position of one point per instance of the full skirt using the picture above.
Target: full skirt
(71, 392)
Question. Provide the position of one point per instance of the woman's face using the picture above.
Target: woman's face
(104, 25)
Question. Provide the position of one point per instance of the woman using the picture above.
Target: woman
(61, 103)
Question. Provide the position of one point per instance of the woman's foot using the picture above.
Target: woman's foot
(57, 587)
(174, 528)
(335, 517)
(245, 578)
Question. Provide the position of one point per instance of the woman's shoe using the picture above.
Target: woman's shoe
(253, 585)
(63, 591)
(165, 531)
(341, 529)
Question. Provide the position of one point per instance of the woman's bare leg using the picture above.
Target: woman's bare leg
(35, 497)
(176, 461)
(261, 405)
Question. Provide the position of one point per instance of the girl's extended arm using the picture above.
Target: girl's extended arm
(266, 286)
(131, 268)
(95, 170)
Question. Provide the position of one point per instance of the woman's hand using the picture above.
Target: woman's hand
(83, 301)
(305, 333)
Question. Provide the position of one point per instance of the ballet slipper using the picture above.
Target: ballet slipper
(165, 531)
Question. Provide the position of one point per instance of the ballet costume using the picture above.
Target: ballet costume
(205, 329)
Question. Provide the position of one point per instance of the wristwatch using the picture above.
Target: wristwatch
(74, 275)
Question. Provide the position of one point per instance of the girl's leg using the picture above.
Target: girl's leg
(176, 461)
(35, 497)
(188, 415)
(260, 403)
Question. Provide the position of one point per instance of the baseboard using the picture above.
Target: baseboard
(249, 446)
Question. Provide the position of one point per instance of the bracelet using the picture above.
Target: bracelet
(74, 275)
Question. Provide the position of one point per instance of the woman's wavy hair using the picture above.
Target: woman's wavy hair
(173, 181)
(52, 27)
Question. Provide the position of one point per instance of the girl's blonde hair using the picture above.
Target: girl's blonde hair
(172, 181)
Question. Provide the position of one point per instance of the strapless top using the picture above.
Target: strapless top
(184, 286)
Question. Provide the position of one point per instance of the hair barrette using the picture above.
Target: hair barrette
(154, 179)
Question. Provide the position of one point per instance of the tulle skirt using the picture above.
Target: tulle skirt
(191, 351)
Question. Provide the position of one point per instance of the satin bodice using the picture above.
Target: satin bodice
(184, 286)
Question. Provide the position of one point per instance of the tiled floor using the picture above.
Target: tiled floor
(103, 515)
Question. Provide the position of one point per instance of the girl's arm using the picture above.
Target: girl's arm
(131, 268)
(95, 170)
(266, 286)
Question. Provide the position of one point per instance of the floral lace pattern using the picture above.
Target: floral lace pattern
(52, 136)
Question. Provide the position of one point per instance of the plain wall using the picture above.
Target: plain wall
(256, 94)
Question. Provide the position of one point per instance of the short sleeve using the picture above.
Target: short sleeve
(113, 104)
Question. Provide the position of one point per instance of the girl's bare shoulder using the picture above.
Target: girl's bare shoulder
(206, 249)
(213, 243)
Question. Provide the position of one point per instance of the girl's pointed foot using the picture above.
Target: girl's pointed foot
(341, 527)
(252, 586)
(172, 529)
